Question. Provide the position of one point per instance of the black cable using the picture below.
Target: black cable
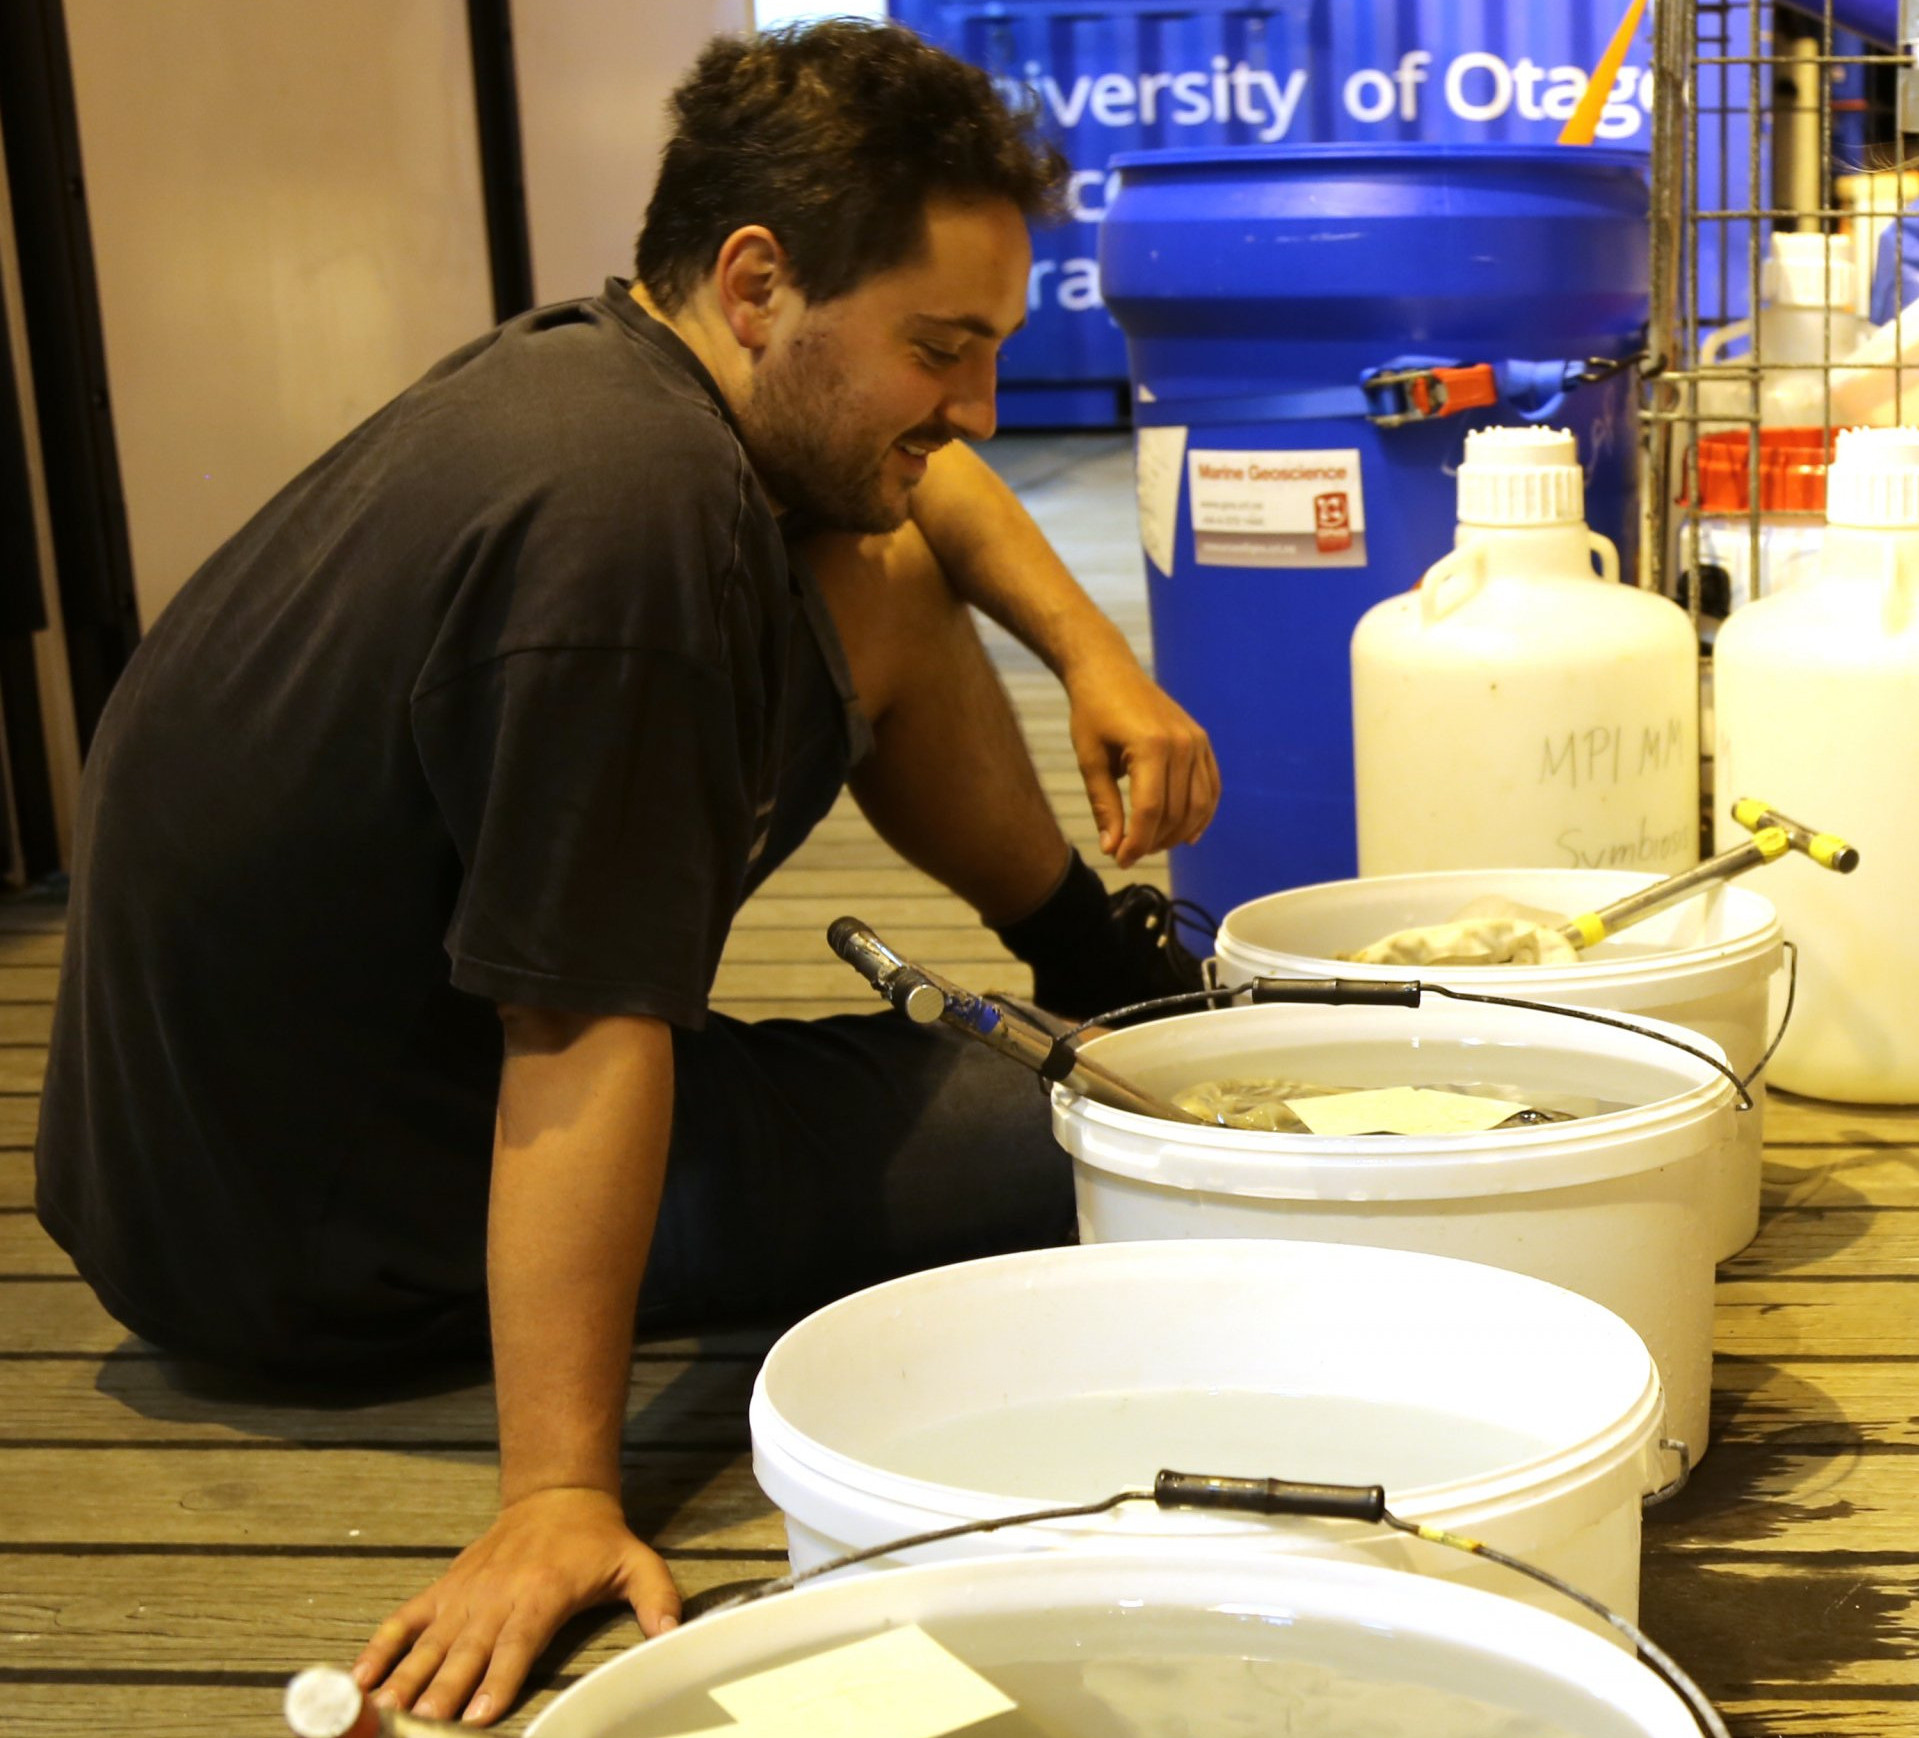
(1333, 990)
(1655, 1658)
(912, 1542)
(1154, 1005)
(1738, 1085)
(1063, 1045)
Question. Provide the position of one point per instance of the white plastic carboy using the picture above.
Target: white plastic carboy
(1808, 291)
(1809, 286)
(1518, 709)
(1818, 716)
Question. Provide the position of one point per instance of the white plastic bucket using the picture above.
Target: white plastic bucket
(1482, 1401)
(1705, 963)
(1206, 1644)
(1612, 1206)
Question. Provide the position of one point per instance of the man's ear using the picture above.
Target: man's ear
(749, 276)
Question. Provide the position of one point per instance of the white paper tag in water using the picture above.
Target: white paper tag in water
(1402, 1110)
(898, 1684)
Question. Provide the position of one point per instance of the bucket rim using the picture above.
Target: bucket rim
(1395, 151)
(1767, 941)
(1246, 1163)
(780, 1447)
(1541, 1645)
(1258, 1164)
(1626, 1436)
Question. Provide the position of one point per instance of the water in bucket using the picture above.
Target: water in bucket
(1299, 1107)
(1090, 1674)
(1081, 1447)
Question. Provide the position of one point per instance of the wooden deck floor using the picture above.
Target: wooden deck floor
(173, 1544)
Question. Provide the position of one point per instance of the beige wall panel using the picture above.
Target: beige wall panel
(288, 228)
(594, 76)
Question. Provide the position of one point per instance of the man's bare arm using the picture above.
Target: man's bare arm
(586, 1113)
(1124, 725)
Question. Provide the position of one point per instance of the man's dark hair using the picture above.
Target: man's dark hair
(834, 136)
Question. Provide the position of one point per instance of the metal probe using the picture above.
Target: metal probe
(924, 997)
(1828, 850)
(1592, 927)
(909, 989)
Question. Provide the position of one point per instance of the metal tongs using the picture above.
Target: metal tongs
(924, 997)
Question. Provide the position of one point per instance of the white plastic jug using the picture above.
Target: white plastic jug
(1517, 710)
(1806, 321)
(1877, 382)
(1818, 716)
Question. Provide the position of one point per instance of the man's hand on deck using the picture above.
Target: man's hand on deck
(1124, 725)
(464, 1646)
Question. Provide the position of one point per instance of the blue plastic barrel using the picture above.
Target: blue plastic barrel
(1257, 288)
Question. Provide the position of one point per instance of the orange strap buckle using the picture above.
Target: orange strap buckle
(1430, 392)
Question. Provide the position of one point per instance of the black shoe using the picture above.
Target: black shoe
(1136, 956)
(1147, 919)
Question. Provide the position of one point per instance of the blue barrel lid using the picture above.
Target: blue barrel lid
(1382, 150)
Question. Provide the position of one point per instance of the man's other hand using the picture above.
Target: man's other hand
(464, 1646)
(1125, 725)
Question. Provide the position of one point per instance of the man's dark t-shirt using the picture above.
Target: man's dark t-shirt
(488, 705)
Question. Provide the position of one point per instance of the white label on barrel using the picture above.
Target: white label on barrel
(898, 1684)
(1298, 509)
(1159, 451)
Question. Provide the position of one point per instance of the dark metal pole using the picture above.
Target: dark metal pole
(60, 300)
(496, 104)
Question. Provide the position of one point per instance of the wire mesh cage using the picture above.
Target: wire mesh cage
(1780, 263)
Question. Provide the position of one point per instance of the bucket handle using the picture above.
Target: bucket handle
(1389, 993)
(1406, 993)
(1677, 1483)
